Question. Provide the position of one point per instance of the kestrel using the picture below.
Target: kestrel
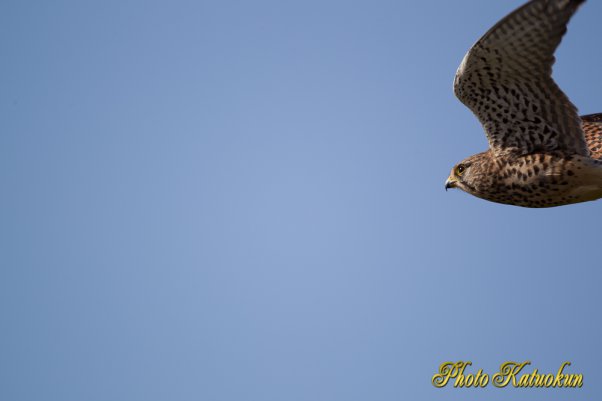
(541, 153)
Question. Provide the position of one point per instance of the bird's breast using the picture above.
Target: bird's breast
(544, 180)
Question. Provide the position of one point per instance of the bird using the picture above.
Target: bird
(541, 152)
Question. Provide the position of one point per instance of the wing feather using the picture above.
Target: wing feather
(506, 80)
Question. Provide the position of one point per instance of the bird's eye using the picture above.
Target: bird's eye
(460, 170)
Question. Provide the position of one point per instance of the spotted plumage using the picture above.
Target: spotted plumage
(541, 153)
(592, 128)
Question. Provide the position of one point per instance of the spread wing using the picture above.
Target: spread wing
(506, 80)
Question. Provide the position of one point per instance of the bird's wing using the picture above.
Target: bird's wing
(592, 128)
(592, 118)
(506, 80)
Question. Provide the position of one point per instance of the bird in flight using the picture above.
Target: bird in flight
(541, 152)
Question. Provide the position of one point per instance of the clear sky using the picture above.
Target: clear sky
(243, 201)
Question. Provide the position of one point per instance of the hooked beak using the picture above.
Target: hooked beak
(450, 184)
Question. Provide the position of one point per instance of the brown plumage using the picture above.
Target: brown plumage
(592, 128)
(541, 153)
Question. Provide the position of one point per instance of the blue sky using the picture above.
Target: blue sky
(236, 200)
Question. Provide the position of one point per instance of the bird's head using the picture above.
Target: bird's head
(470, 174)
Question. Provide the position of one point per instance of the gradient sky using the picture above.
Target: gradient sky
(243, 201)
